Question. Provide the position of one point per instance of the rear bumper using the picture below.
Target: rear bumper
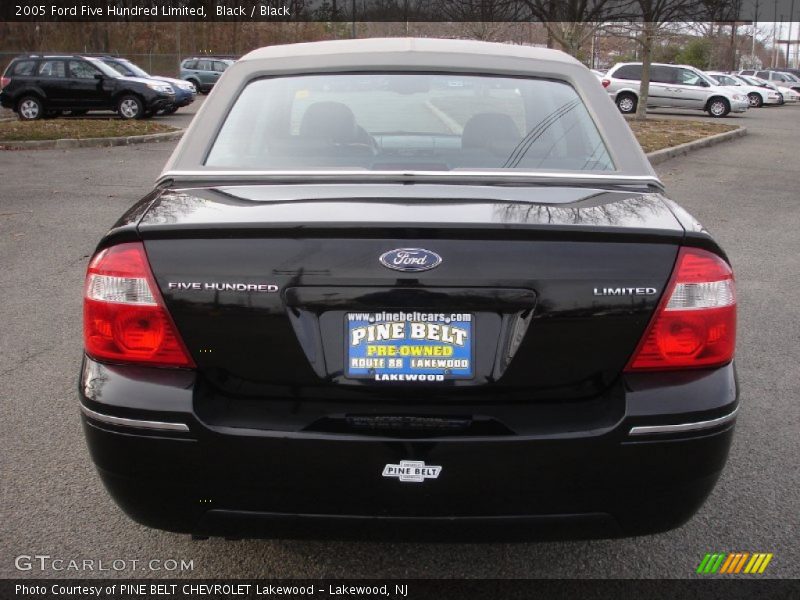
(6, 101)
(255, 483)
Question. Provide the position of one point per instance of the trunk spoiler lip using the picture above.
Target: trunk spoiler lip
(459, 177)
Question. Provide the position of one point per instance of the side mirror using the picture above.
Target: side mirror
(704, 83)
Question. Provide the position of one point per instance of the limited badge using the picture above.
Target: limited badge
(414, 471)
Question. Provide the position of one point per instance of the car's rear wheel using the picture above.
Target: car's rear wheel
(168, 111)
(756, 101)
(195, 83)
(718, 107)
(30, 108)
(130, 107)
(626, 103)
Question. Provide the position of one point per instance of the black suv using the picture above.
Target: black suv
(47, 85)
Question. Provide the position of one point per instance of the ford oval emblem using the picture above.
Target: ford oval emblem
(410, 259)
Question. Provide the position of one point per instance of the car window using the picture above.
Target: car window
(660, 74)
(219, 66)
(725, 80)
(203, 65)
(82, 70)
(763, 74)
(687, 77)
(409, 121)
(119, 68)
(52, 68)
(189, 64)
(628, 72)
(24, 67)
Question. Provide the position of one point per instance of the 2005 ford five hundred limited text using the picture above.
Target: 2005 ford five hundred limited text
(409, 288)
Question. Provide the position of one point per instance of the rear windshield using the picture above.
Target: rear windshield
(423, 122)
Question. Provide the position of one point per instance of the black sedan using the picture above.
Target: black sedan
(409, 288)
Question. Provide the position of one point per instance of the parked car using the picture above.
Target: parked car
(185, 92)
(795, 72)
(36, 85)
(204, 71)
(787, 94)
(756, 95)
(749, 79)
(775, 77)
(285, 338)
(671, 86)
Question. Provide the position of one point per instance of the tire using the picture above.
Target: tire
(195, 83)
(30, 108)
(167, 111)
(718, 107)
(756, 101)
(626, 103)
(130, 107)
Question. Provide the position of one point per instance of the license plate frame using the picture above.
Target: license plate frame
(409, 346)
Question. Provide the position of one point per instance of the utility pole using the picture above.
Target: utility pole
(775, 36)
(755, 28)
(789, 36)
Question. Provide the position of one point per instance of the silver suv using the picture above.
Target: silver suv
(671, 86)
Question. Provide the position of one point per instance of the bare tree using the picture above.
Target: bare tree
(652, 18)
(572, 23)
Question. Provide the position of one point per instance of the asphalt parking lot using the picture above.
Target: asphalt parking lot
(55, 205)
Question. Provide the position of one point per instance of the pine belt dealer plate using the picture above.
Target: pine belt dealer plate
(409, 346)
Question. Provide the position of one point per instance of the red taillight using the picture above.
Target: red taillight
(124, 317)
(606, 82)
(4, 81)
(695, 322)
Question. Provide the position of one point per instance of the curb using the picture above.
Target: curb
(660, 156)
(92, 142)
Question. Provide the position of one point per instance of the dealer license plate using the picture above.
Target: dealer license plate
(409, 346)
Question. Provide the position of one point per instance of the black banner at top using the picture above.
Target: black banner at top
(395, 589)
(594, 11)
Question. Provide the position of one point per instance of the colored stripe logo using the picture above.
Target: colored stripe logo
(734, 563)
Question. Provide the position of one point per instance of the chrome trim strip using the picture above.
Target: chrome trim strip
(681, 427)
(457, 175)
(137, 423)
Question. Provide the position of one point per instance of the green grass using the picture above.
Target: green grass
(56, 129)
